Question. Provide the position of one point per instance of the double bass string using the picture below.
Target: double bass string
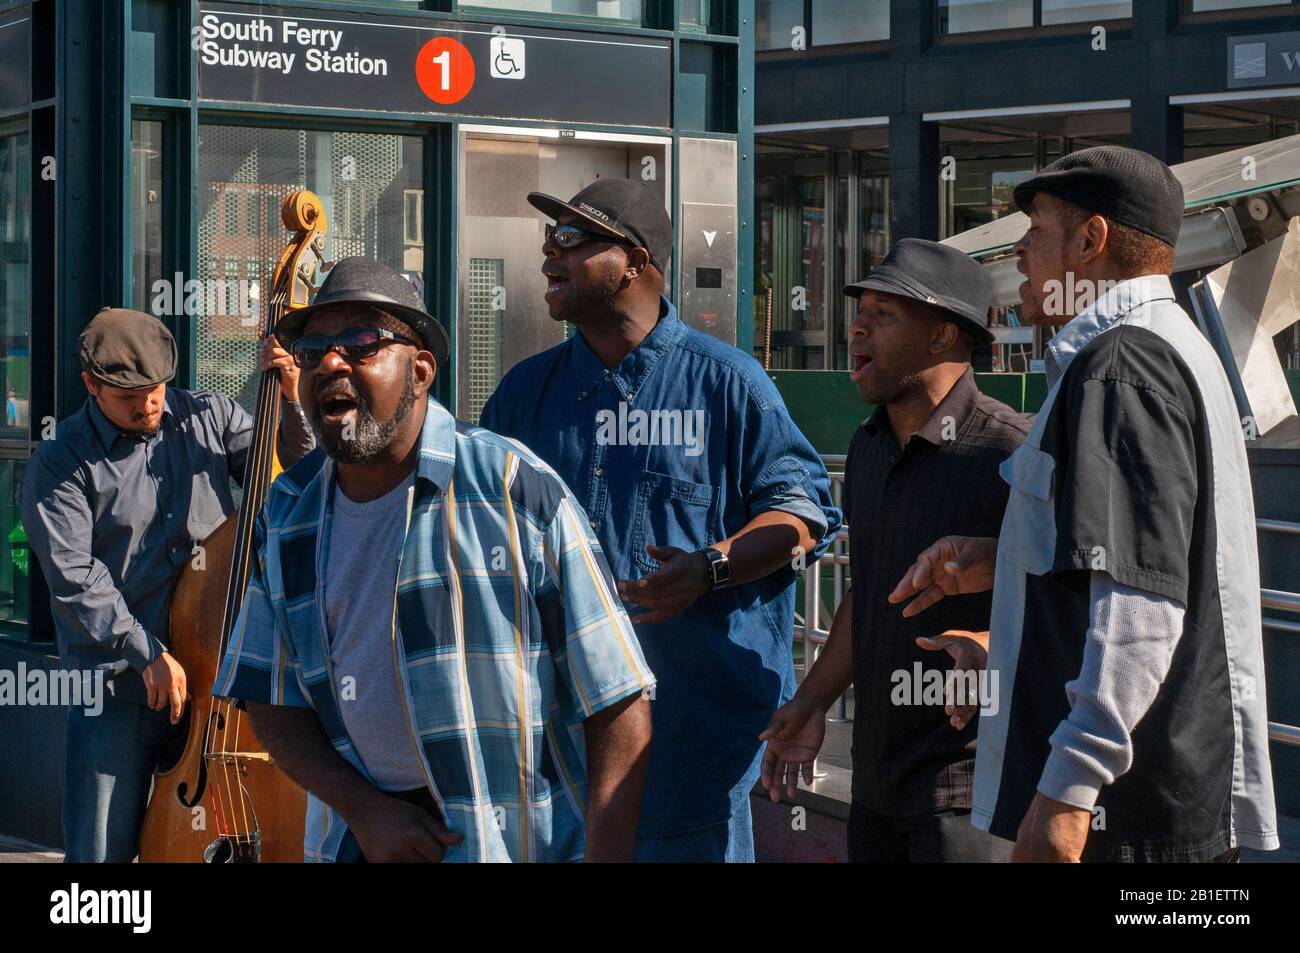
(255, 478)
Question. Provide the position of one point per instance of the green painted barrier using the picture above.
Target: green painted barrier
(825, 404)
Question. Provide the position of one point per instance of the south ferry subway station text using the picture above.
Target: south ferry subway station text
(319, 47)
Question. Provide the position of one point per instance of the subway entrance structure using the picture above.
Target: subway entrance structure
(146, 147)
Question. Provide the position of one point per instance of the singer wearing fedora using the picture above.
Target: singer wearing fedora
(431, 643)
(923, 466)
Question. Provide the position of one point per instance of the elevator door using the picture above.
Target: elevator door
(501, 317)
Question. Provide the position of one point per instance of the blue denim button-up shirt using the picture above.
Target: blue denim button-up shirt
(682, 444)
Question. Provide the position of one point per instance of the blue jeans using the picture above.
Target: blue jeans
(727, 842)
(111, 761)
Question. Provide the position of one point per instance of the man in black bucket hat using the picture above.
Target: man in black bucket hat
(457, 680)
(924, 465)
(113, 507)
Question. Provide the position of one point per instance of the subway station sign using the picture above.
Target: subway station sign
(375, 63)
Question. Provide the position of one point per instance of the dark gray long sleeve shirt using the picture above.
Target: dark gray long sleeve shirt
(113, 518)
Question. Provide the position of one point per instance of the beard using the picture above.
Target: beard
(370, 437)
(593, 299)
(891, 388)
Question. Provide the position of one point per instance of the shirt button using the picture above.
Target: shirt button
(892, 457)
(169, 516)
(593, 524)
(629, 395)
(600, 471)
(607, 375)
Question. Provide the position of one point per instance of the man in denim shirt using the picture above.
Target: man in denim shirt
(702, 492)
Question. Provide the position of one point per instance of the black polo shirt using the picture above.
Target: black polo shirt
(907, 759)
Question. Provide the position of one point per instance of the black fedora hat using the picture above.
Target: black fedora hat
(937, 275)
(364, 282)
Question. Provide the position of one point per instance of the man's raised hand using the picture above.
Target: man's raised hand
(955, 565)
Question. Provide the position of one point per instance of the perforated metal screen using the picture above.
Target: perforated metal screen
(244, 175)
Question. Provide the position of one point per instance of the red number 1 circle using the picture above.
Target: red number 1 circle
(445, 70)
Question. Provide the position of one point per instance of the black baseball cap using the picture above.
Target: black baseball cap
(619, 208)
(937, 275)
(362, 282)
(1126, 186)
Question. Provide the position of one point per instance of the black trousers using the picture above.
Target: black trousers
(944, 837)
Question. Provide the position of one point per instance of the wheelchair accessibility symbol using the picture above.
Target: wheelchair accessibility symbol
(507, 57)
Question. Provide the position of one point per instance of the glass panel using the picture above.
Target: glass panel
(774, 22)
(501, 239)
(982, 190)
(970, 16)
(873, 205)
(364, 181)
(849, 21)
(605, 9)
(15, 342)
(146, 212)
(1201, 6)
(812, 254)
(839, 278)
(694, 15)
(1083, 11)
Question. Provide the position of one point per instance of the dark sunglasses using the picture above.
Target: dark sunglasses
(355, 344)
(571, 236)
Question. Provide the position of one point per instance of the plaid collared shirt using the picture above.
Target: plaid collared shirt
(504, 605)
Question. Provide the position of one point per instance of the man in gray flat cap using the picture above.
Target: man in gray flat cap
(1130, 724)
(113, 506)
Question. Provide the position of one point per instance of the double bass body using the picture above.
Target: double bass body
(224, 800)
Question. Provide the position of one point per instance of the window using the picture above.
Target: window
(775, 23)
(231, 205)
(364, 214)
(822, 22)
(15, 338)
(626, 10)
(253, 213)
(146, 219)
(973, 16)
(849, 21)
(1205, 6)
(413, 219)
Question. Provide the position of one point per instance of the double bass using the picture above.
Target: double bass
(224, 801)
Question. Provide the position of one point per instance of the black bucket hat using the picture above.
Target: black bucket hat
(937, 275)
(365, 282)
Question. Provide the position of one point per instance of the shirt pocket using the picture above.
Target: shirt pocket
(1028, 537)
(672, 512)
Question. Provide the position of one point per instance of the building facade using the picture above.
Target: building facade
(883, 119)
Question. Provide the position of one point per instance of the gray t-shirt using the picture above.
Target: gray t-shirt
(360, 583)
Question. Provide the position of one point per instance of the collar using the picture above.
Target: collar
(631, 372)
(957, 404)
(107, 431)
(1105, 312)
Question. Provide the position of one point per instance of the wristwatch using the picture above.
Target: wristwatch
(719, 567)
